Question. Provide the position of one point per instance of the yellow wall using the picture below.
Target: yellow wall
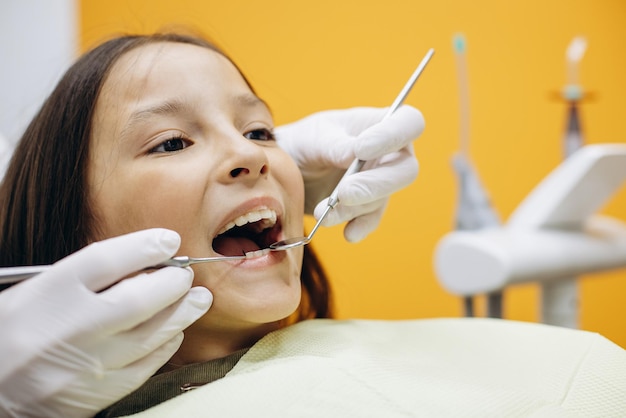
(308, 56)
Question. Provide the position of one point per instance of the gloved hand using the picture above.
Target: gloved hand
(325, 143)
(69, 351)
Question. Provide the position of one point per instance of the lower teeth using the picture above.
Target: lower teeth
(257, 253)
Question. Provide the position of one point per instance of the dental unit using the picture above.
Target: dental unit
(554, 235)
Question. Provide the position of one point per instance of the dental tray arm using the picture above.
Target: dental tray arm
(552, 234)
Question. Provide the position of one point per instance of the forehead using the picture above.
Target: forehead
(171, 66)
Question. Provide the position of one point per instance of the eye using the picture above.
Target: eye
(260, 135)
(171, 145)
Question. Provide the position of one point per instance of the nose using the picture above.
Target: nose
(244, 160)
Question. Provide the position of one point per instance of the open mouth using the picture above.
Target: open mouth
(248, 233)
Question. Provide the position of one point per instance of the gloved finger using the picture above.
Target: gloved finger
(334, 133)
(391, 173)
(361, 226)
(117, 383)
(331, 146)
(342, 214)
(103, 263)
(129, 346)
(134, 300)
(391, 134)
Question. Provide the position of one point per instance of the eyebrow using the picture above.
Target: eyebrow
(171, 107)
(176, 107)
(250, 100)
(167, 108)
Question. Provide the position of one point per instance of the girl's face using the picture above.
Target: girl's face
(179, 141)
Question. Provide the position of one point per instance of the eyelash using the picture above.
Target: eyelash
(268, 136)
(169, 141)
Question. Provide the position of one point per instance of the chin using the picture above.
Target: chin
(276, 315)
(275, 307)
(243, 311)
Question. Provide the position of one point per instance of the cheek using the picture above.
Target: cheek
(128, 200)
(290, 178)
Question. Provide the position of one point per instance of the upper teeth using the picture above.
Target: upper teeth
(268, 217)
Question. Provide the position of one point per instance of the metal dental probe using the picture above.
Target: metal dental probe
(355, 167)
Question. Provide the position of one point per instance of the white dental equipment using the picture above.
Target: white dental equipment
(552, 235)
(356, 165)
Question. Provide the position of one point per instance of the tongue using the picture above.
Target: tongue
(234, 245)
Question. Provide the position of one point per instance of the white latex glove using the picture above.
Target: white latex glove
(69, 351)
(324, 144)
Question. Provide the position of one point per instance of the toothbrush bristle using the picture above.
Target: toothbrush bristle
(459, 43)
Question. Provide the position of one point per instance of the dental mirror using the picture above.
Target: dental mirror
(299, 241)
(355, 167)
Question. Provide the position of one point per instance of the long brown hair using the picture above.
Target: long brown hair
(44, 210)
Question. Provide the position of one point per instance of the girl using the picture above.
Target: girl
(165, 131)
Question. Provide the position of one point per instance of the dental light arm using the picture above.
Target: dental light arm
(553, 233)
(575, 190)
